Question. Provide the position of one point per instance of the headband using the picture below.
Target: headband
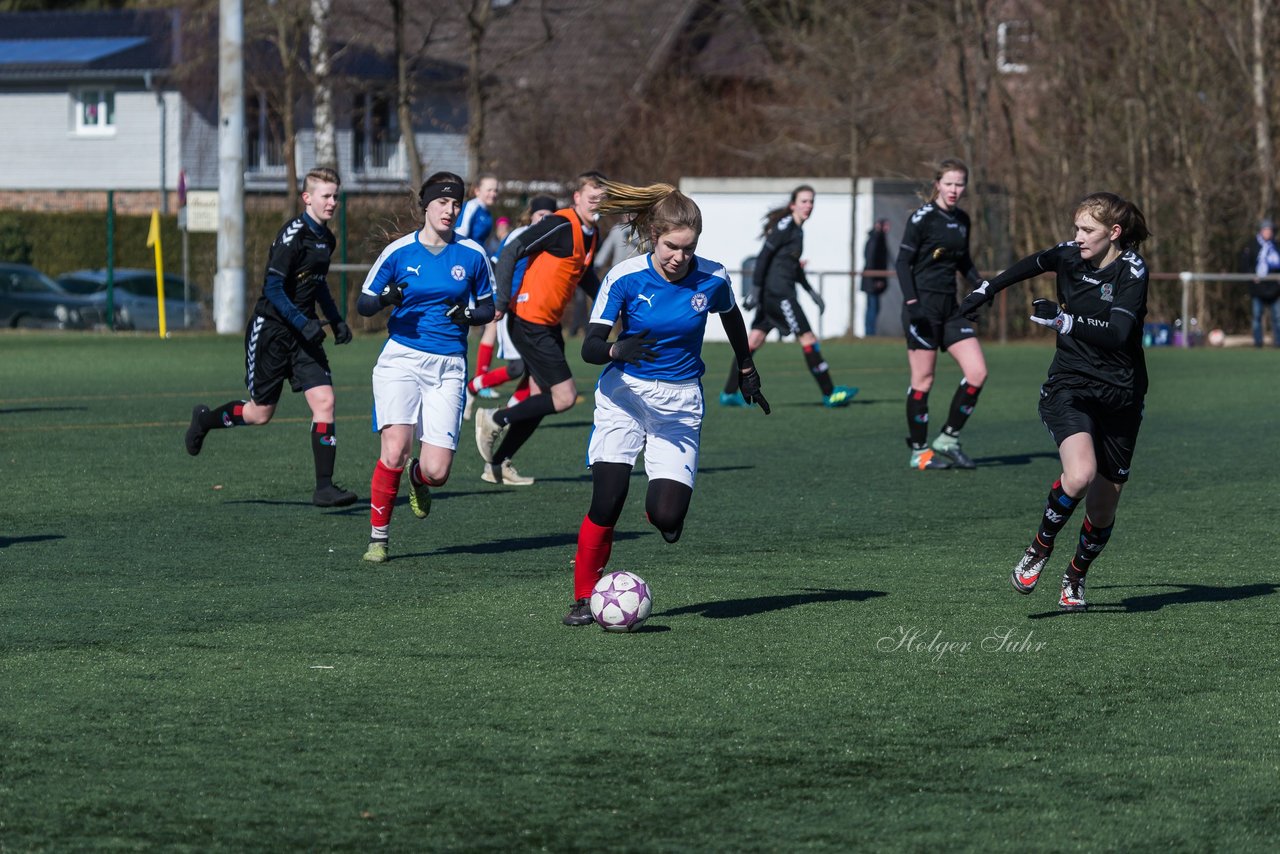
(440, 190)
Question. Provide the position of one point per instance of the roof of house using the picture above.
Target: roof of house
(126, 43)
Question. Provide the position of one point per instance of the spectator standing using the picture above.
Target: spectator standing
(1261, 258)
(875, 256)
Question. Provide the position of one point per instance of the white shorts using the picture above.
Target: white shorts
(662, 419)
(422, 389)
(506, 348)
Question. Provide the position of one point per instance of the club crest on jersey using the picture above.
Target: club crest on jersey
(699, 302)
(1108, 292)
(458, 273)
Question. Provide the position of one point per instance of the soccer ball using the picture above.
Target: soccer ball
(1217, 338)
(621, 602)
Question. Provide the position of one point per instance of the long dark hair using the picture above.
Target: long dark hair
(773, 217)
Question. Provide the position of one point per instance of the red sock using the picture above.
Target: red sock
(522, 391)
(382, 494)
(484, 358)
(489, 379)
(594, 545)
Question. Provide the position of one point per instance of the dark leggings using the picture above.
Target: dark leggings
(666, 503)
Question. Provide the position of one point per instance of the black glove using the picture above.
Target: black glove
(634, 350)
(392, 295)
(751, 300)
(313, 332)
(341, 333)
(1048, 313)
(976, 299)
(459, 313)
(749, 385)
(819, 301)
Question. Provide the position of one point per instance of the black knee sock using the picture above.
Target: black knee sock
(532, 408)
(735, 374)
(917, 417)
(962, 403)
(517, 434)
(819, 368)
(229, 414)
(1092, 541)
(324, 447)
(1057, 510)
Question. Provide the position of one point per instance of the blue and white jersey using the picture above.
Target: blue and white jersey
(675, 313)
(517, 278)
(474, 222)
(433, 281)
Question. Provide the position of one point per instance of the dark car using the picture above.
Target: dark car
(29, 298)
(134, 298)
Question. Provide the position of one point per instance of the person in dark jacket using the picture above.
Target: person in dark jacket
(875, 256)
(1261, 258)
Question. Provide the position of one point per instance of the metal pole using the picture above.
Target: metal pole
(228, 284)
(1185, 278)
(111, 259)
(342, 227)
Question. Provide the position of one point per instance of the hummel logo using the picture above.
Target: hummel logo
(648, 299)
(413, 270)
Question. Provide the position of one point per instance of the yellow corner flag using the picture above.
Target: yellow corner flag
(153, 239)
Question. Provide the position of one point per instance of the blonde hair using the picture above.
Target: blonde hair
(1109, 209)
(951, 164)
(319, 175)
(652, 211)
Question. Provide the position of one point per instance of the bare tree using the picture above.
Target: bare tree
(326, 131)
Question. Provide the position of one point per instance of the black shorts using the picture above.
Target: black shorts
(1112, 416)
(942, 326)
(542, 348)
(273, 353)
(783, 314)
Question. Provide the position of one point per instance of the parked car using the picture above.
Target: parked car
(134, 298)
(29, 298)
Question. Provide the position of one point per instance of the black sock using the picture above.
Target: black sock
(324, 447)
(735, 374)
(517, 435)
(1092, 541)
(1058, 508)
(819, 368)
(962, 403)
(534, 407)
(917, 417)
(229, 414)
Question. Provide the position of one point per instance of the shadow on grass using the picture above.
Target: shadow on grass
(1015, 459)
(5, 542)
(19, 409)
(1190, 594)
(729, 608)
(520, 544)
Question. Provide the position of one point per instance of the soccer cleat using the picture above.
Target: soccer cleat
(949, 446)
(377, 552)
(196, 433)
(1027, 572)
(579, 614)
(468, 405)
(489, 393)
(1072, 596)
(487, 434)
(840, 396)
(419, 493)
(925, 459)
(504, 474)
(332, 496)
(734, 399)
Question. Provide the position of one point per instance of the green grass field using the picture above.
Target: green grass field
(192, 657)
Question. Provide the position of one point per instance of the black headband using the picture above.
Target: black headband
(440, 190)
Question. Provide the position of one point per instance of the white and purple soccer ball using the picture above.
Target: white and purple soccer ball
(621, 602)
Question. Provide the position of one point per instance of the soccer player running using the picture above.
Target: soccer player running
(1092, 400)
(437, 285)
(777, 271)
(476, 222)
(935, 246)
(495, 332)
(284, 338)
(649, 397)
(559, 249)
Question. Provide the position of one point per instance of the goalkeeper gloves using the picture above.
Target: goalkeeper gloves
(313, 332)
(1049, 313)
(634, 350)
(749, 385)
(979, 297)
(341, 333)
(392, 295)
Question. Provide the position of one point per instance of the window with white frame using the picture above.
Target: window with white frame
(95, 111)
(1013, 46)
(263, 135)
(374, 131)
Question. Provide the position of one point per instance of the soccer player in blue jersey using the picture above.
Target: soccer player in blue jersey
(437, 285)
(1093, 398)
(778, 269)
(649, 397)
(284, 338)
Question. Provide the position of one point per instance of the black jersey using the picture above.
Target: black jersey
(778, 267)
(935, 246)
(1107, 306)
(297, 274)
